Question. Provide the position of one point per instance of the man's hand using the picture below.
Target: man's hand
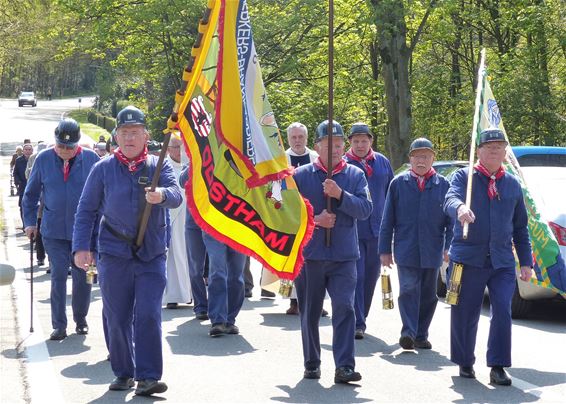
(526, 273)
(155, 197)
(446, 257)
(465, 215)
(325, 219)
(331, 189)
(83, 259)
(31, 232)
(386, 260)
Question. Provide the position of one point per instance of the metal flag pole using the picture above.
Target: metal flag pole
(330, 125)
(31, 282)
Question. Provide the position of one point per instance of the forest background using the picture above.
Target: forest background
(406, 67)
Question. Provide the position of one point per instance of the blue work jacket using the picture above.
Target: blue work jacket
(189, 219)
(355, 204)
(19, 172)
(421, 229)
(378, 184)
(60, 198)
(116, 194)
(500, 222)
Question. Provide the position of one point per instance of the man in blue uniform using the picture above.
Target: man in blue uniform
(413, 213)
(132, 280)
(497, 220)
(331, 268)
(19, 173)
(378, 174)
(58, 177)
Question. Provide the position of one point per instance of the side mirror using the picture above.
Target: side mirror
(7, 274)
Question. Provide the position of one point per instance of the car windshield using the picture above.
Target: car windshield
(26, 95)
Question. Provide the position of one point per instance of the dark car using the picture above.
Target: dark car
(27, 98)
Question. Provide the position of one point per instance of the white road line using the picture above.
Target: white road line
(42, 383)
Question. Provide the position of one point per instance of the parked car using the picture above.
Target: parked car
(540, 156)
(547, 186)
(27, 98)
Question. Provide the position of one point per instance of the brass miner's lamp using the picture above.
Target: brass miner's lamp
(386, 291)
(91, 274)
(453, 294)
(285, 287)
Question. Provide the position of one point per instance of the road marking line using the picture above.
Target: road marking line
(42, 385)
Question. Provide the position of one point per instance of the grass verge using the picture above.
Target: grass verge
(91, 130)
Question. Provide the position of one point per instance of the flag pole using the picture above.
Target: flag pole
(330, 104)
(479, 93)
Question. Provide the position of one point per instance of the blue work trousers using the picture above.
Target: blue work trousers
(368, 268)
(339, 278)
(196, 252)
(225, 281)
(417, 300)
(131, 296)
(60, 260)
(465, 315)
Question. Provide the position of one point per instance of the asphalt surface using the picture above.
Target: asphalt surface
(264, 362)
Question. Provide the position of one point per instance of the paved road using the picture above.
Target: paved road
(264, 363)
(19, 123)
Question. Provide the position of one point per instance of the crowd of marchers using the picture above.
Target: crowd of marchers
(81, 204)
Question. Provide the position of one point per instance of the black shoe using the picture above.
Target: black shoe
(48, 270)
(293, 309)
(148, 387)
(40, 263)
(58, 334)
(467, 372)
(312, 373)
(217, 330)
(323, 313)
(82, 329)
(406, 342)
(248, 293)
(423, 344)
(359, 334)
(267, 293)
(201, 315)
(231, 329)
(346, 374)
(499, 376)
(122, 383)
(172, 305)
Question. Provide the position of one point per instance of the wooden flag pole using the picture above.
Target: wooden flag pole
(479, 88)
(330, 104)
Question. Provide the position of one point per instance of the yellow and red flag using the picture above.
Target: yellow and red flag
(240, 189)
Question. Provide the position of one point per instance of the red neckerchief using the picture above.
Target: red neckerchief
(133, 164)
(338, 168)
(364, 161)
(491, 187)
(67, 166)
(422, 179)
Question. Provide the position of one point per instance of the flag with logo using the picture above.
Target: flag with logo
(549, 264)
(240, 189)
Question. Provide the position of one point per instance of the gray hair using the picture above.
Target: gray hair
(295, 125)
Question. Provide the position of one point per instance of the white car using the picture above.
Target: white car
(27, 98)
(547, 186)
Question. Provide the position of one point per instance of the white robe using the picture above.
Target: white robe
(178, 289)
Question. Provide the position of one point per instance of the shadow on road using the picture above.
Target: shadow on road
(191, 338)
(474, 391)
(431, 361)
(309, 391)
(542, 378)
(94, 374)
